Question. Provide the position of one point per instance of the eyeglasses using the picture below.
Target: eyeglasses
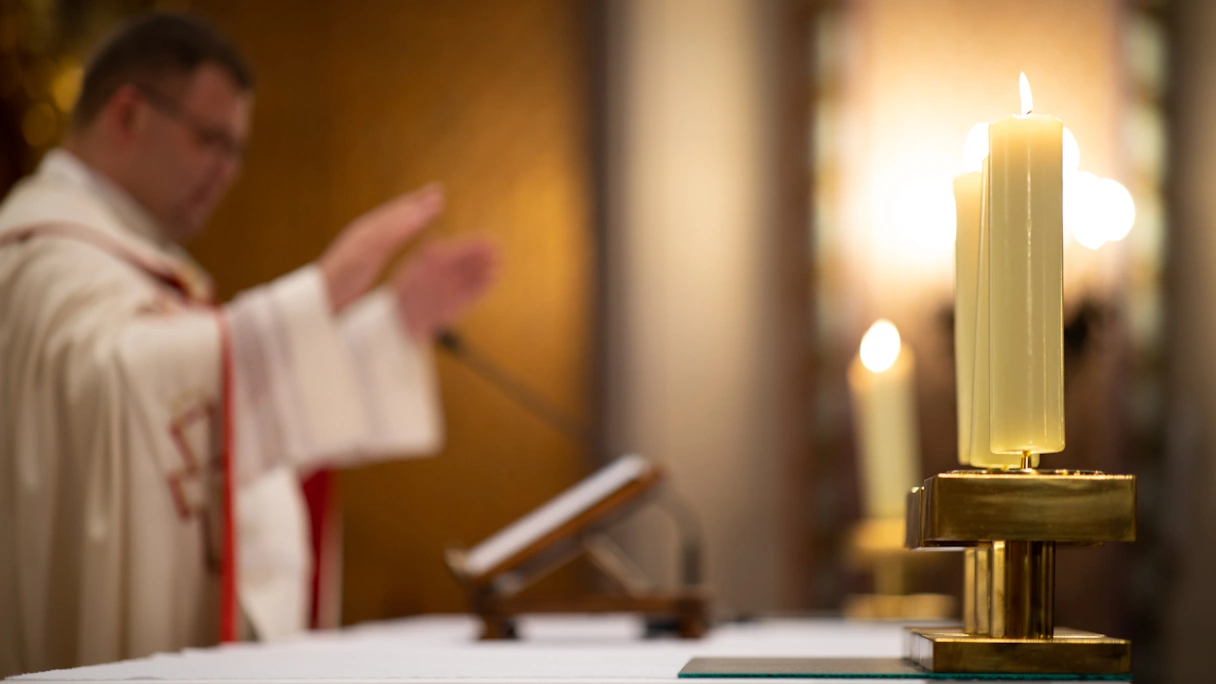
(209, 136)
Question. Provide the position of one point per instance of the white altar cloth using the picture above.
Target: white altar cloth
(444, 649)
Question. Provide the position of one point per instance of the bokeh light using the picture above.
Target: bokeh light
(1118, 209)
(1082, 215)
(880, 346)
(975, 150)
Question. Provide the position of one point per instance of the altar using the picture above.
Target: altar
(445, 648)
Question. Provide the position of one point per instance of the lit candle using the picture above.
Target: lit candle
(884, 417)
(967, 190)
(978, 446)
(971, 323)
(1026, 342)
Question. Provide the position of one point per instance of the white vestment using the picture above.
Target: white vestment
(121, 389)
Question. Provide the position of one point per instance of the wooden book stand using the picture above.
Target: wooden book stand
(494, 572)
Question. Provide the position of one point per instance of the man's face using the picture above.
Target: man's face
(186, 149)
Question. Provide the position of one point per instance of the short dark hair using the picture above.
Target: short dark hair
(151, 49)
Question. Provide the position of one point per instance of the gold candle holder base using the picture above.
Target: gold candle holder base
(1009, 523)
(1067, 651)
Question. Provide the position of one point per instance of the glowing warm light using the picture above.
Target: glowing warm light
(975, 150)
(880, 346)
(1083, 214)
(1072, 152)
(1097, 210)
(923, 214)
(1118, 209)
(1027, 100)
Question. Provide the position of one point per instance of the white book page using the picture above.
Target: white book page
(511, 539)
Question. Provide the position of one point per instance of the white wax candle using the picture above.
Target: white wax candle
(979, 452)
(881, 384)
(967, 190)
(1026, 342)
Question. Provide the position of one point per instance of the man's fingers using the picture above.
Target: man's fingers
(474, 265)
(438, 284)
(470, 254)
(387, 227)
(356, 257)
(402, 218)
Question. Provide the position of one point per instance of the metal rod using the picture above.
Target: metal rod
(1023, 596)
(520, 394)
(977, 585)
(983, 588)
(969, 607)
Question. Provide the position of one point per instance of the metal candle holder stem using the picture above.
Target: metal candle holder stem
(1009, 523)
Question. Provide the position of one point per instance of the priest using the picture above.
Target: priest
(152, 441)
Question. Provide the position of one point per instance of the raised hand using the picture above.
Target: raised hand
(438, 284)
(354, 260)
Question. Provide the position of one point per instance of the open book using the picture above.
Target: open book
(627, 472)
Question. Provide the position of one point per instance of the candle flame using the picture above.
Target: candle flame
(880, 346)
(1027, 100)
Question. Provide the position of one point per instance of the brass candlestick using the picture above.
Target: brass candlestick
(1009, 523)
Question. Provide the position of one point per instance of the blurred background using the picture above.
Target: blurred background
(703, 205)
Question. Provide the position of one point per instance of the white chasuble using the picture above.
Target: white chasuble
(151, 444)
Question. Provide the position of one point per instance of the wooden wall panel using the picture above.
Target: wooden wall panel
(359, 101)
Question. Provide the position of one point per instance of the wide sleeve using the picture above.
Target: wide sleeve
(310, 389)
(396, 380)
